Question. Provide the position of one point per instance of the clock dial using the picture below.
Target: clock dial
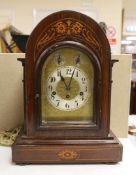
(67, 84)
(67, 88)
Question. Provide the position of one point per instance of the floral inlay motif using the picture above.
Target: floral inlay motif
(68, 154)
(60, 27)
(65, 30)
(77, 27)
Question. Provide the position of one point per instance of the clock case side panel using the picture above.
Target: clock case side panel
(90, 35)
(69, 130)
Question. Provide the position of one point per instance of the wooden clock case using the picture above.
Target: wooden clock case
(67, 143)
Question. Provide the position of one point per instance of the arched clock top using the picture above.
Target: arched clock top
(68, 26)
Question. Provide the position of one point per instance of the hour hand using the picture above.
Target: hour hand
(63, 79)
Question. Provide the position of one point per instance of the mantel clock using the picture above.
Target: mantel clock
(67, 89)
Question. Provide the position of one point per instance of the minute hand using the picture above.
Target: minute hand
(71, 79)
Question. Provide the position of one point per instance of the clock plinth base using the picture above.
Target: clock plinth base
(41, 151)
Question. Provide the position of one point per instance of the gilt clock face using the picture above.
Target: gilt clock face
(67, 83)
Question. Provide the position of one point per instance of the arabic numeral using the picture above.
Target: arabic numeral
(76, 103)
(86, 89)
(50, 87)
(69, 71)
(82, 98)
(52, 79)
(67, 106)
(58, 73)
(58, 102)
(77, 74)
(83, 80)
(52, 97)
